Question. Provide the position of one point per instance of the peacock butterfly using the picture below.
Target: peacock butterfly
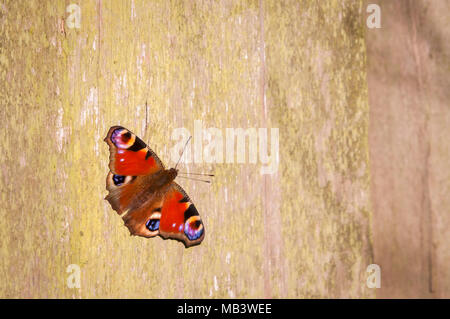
(144, 193)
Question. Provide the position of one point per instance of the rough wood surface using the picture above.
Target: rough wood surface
(295, 65)
(408, 67)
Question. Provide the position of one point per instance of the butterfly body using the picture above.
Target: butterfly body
(145, 194)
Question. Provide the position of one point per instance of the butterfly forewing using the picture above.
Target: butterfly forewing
(180, 219)
(129, 155)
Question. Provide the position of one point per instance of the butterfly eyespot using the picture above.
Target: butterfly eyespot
(118, 179)
(126, 136)
(152, 224)
(122, 138)
(193, 228)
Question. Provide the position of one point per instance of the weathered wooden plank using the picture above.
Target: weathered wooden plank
(298, 66)
(409, 128)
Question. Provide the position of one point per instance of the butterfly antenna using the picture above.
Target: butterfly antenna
(184, 148)
(195, 179)
(187, 173)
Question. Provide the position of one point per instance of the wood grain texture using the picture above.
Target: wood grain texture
(408, 67)
(294, 65)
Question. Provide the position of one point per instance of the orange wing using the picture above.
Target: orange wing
(129, 155)
(179, 218)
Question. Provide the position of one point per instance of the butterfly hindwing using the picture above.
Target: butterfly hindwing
(139, 200)
(129, 155)
(167, 212)
(121, 191)
(144, 221)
